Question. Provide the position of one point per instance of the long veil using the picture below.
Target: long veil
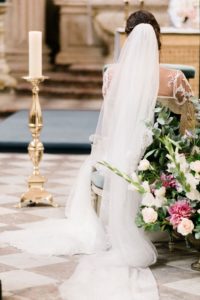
(128, 106)
(121, 137)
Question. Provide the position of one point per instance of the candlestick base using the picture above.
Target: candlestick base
(36, 193)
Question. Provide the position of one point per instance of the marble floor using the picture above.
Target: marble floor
(34, 277)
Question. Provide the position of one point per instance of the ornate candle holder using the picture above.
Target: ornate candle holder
(36, 192)
(141, 4)
(126, 11)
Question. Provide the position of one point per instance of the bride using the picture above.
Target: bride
(117, 267)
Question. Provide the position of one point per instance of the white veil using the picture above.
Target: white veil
(130, 102)
(121, 138)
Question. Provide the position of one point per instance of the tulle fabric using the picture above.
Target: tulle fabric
(100, 277)
(121, 138)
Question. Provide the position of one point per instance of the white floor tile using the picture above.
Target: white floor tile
(61, 190)
(191, 286)
(19, 279)
(5, 211)
(13, 179)
(21, 164)
(7, 198)
(13, 189)
(25, 172)
(27, 261)
(183, 264)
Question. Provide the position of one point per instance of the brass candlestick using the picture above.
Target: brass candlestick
(126, 11)
(141, 4)
(196, 266)
(36, 192)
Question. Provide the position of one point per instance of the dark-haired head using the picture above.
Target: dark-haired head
(143, 16)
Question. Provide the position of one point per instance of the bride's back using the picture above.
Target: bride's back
(173, 83)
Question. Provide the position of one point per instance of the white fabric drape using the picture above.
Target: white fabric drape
(121, 138)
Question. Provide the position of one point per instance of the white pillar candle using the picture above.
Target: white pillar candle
(35, 54)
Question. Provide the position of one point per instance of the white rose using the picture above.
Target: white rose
(198, 211)
(193, 195)
(159, 201)
(160, 192)
(149, 215)
(144, 165)
(185, 227)
(148, 200)
(146, 187)
(170, 167)
(191, 180)
(197, 176)
(195, 166)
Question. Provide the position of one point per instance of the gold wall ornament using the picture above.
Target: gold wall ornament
(36, 192)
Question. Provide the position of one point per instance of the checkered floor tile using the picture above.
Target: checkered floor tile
(26, 276)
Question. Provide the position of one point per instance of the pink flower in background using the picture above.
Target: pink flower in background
(168, 181)
(180, 209)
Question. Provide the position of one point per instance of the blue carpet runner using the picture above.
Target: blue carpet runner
(64, 131)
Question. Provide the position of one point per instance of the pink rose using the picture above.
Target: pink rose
(179, 210)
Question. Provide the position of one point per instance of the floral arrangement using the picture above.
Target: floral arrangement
(184, 13)
(168, 178)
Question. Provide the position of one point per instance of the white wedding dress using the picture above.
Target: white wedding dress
(117, 267)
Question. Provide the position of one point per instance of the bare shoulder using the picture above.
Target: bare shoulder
(173, 73)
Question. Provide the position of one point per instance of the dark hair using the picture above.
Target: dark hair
(143, 16)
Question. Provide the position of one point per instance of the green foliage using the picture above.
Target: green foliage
(167, 177)
(167, 125)
(128, 178)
